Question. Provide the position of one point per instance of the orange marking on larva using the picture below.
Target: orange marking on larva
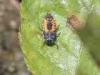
(45, 26)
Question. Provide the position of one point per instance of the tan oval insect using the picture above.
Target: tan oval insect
(75, 22)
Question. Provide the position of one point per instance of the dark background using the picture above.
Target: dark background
(11, 58)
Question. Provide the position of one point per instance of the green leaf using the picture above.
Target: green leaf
(71, 56)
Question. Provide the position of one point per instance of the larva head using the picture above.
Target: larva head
(50, 38)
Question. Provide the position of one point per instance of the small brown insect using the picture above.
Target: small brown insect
(49, 29)
(74, 21)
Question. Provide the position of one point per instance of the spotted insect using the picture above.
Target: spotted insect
(49, 30)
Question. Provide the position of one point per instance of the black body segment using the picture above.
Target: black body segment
(49, 26)
(50, 37)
